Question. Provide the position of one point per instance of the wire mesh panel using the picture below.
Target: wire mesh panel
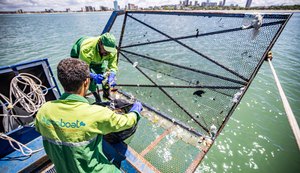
(192, 67)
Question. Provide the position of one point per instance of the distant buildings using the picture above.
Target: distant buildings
(248, 4)
(209, 4)
(132, 7)
(224, 1)
(89, 9)
(68, 10)
(102, 8)
(19, 11)
(186, 3)
(206, 3)
(49, 10)
(116, 7)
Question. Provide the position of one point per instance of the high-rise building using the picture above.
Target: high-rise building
(132, 7)
(248, 4)
(186, 2)
(103, 8)
(224, 1)
(196, 3)
(209, 4)
(191, 3)
(116, 5)
(220, 3)
(89, 8)
(19, 11)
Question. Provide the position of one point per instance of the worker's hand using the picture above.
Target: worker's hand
(98, 78)
(111, 79)
(137, 107)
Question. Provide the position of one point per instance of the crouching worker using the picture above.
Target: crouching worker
(73, 130)
(95, 51)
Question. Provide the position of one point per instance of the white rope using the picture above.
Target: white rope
(21, 147)
(287, 107)
(31, 101)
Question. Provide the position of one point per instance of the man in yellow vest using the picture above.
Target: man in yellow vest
(73, 130)
(95, 51)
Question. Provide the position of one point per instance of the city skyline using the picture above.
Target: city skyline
(40, 5)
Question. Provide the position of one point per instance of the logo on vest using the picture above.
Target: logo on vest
(63, 124)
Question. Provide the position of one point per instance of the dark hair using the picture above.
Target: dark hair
(72, 73)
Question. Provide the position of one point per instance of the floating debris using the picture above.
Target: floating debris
(135, 64)
(199, 93)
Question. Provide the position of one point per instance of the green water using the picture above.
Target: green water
(258, 137)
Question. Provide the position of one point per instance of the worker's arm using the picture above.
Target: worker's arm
(113, 63)
(113, 122)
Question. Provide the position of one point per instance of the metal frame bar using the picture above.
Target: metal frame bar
(191, 49)
(180, 79)
(111, 20)
(44, 60)
(208, 14)
(22, 64)
(179, 86)
(121, 36)
(182, 108)
(156, 141)
(53, 78)
(276, 36)
(187, 68)
(165, 116)
(201, 35)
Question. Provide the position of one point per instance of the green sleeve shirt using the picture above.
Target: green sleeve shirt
(72, 133)
(89, 52)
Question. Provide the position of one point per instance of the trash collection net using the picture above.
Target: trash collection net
(210, 57)
(191, 67)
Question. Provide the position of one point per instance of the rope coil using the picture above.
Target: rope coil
(30, 93)
(27, 92)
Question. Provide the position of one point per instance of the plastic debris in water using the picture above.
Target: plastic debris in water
(155, 119)
(199, 93)
(158, 75)
(252, 20)
(257, 22)
(213, 131)
(237, 95)
(135, 64)
(170, 110)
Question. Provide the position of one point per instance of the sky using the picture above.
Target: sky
(41, 5)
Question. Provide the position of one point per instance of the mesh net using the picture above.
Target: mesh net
(191, 67)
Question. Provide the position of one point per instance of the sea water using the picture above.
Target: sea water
(257, 138)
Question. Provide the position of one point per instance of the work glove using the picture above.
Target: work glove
(111, 79)
(98, 78)
(137, 108)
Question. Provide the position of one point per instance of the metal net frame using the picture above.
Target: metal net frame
(211, 58)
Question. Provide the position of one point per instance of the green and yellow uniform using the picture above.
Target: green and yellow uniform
(73, 130)
(86, 49)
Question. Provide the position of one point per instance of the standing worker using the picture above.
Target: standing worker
(95, 51)
(73, 130)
